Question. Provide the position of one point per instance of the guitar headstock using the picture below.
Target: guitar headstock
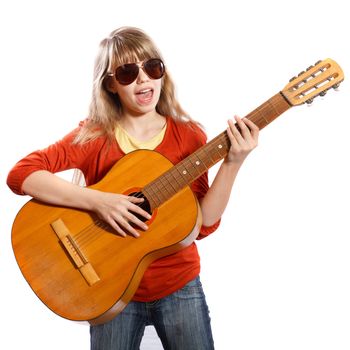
(315, 81)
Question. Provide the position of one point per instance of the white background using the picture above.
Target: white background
(276, 273)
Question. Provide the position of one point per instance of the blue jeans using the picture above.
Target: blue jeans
(181, 320)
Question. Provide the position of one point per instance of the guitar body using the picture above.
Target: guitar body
(113, 266)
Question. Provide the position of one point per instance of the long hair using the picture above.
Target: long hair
(126, 44)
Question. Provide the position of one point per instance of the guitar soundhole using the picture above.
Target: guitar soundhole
(144, 205)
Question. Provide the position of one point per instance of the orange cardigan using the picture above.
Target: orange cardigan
(94, 159)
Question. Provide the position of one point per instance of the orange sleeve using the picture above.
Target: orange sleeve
(62, 155)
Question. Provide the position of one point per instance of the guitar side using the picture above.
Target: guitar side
(92, 273)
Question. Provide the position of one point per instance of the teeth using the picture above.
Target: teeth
(144, 91)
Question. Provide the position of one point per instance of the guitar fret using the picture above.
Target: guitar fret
(178, 176)
(193, 171)
(165, 184)
(268, 111)
(202, 156)
(171, 173)
(167, 176)
(218, 149)
(200, 163)
(208, 155)
(151, 196)
(183, 172)
(160, 191)
(166, 179)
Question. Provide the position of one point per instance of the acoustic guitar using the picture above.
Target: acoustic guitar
(81, 269)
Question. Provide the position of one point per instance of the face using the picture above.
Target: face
(139, 97)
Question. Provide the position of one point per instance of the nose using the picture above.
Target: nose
(142, 76)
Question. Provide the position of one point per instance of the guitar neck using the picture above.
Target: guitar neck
(189, 169)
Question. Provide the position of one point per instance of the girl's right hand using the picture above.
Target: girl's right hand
(115, 209)
(119, 210)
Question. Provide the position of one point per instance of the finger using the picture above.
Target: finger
(132, 219)
(250, 124)
(116, 227)
(243, 128)
(232, 138)
(138, 210)
(133, 199)
(234, 129)
(237, 133)
(254, 129)
(126, 225)
(122, 226)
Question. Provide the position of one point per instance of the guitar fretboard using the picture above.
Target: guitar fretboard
(189, 169)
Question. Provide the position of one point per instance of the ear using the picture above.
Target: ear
(110, 84)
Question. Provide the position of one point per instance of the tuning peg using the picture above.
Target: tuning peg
(319, 61)
(308, 68)
(309, 101)
(301, 73)
(291, 79)
(323, 93)
(336, 86)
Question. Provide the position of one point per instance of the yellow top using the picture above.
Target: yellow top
(128, 143)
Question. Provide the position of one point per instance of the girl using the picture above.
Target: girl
(134, 106)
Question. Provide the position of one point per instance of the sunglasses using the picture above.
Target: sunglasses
(127, 73)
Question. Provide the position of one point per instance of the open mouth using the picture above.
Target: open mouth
(144, 96)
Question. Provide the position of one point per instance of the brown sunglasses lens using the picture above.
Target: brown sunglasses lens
(127, 73)
(154, 68)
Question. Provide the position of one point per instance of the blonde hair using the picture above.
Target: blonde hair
(126, 44)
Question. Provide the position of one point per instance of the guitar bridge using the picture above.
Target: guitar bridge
(80, 261)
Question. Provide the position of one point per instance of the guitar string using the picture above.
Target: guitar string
(90, 232)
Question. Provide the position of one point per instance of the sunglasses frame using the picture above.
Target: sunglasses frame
(140, 65)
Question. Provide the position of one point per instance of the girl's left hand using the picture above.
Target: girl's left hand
(243, 141)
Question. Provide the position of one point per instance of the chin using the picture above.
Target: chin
(147, 108)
